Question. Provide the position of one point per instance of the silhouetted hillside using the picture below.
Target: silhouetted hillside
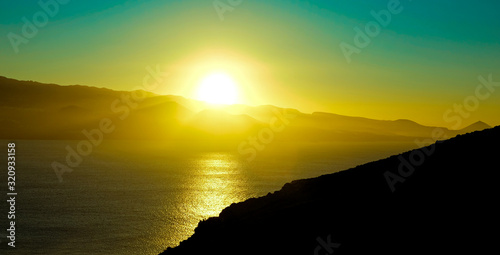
(478, 126)
(31, 110)
(444, 204)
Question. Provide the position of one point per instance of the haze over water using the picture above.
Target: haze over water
(131, 197)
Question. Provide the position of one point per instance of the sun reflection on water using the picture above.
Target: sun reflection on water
(217, 182)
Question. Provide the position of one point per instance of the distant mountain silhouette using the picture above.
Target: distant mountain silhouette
(32, 110)
(446, 205)
(478, 126)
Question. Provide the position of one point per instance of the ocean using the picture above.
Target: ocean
(140, 197)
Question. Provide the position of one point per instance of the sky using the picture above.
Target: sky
(422, 63)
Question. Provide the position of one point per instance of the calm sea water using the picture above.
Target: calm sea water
(140, 197)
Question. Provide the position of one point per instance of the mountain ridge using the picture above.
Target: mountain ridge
(27, 104)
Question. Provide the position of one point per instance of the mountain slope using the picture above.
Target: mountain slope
(31, 110)
(478, 126)
(446, 204)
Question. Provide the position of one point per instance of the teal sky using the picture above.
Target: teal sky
(280, 52)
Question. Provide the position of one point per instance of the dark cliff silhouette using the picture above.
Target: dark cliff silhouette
(444, 202)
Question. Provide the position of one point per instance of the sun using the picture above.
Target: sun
(218, 88)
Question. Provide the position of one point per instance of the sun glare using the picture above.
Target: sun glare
(218, 88)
